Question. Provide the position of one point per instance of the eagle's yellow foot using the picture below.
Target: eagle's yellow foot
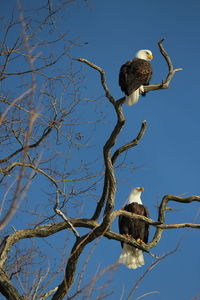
(140, 241)
(128, 236)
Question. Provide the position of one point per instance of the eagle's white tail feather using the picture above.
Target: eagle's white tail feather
(133, 98)
(132, 257)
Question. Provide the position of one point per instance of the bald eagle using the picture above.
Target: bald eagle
(134, 74)
(131, 256)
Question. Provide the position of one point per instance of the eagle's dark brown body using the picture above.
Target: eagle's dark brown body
(135, 228)
(133, 74)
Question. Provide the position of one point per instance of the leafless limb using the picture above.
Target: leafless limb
(2, 117)
(62, 215)
(172, 71)
(19, 189)
(36, 144)
(131, 144)
(88, 288)
(161, 215)
(10, 167)
(81, 275)
(54, 62)
(49, 293)
(147, 294)
(103, 79)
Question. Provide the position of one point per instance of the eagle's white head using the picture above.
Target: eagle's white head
(135, 195)
(144, 54)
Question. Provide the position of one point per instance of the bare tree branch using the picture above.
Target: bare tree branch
(131, 144)
(62, 215)
(7, 289)
(35, 69)
(44, 135)
(103, 80)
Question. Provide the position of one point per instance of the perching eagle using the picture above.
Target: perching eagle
(131, 256)
(134, 74)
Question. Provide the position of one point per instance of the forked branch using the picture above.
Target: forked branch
(172, 71)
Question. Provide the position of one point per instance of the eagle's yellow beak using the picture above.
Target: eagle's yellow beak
(150, 56)
(140, 189)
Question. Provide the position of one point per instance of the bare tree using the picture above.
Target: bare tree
(41, 141)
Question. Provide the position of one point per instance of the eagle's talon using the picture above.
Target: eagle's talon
(127, 235)
(140, 241)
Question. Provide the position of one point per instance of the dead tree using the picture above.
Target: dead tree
(26, 126)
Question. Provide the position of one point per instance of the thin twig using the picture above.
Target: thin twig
(138, 282)
(36, 144)
(62, 215)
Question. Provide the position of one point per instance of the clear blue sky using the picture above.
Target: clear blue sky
(168, 158)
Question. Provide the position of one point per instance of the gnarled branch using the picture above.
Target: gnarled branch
(172, 71)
